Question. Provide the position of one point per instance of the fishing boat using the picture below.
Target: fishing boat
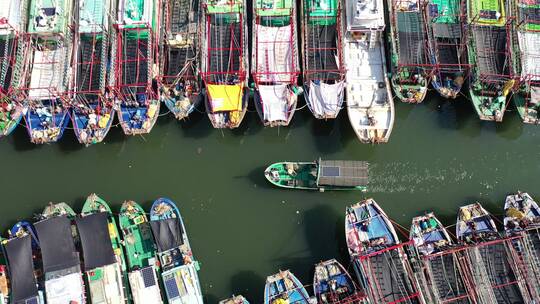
(177, 264)
(319, 175)
(180, 77)
(322, 50)
(4, 288)
(46, 85)
(24, 265)
(234, 300)
(102, 252)
(370, 105)
(275, 66)
(491, 260)
(446, 46)
(283, 287)
(446, 279)
(332, 284)
(489, 56)
(61, 263)
(134, 65)
(521, 212)
(140, 253)
(11, 63)
(224, 61)
(378, 257)
(527, 97)
(92, 111)
(408, 50)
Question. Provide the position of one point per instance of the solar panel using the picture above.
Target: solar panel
(330, 171)
(171, 288)
(148, 277)
(33, 300)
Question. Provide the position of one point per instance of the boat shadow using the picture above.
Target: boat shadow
(249, 284)
(21, 140)
(256, 177)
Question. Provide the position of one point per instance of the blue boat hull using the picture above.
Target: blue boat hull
(87, 134)
(46, 126)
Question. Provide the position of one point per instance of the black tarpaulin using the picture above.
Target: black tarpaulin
(21, 269)
(57, 245)
(167, 233)
(95, 240)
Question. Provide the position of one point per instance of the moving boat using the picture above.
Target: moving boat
(23, 265)
(61, 263)
(332, 284)
(177, 265)
(319, 175)
(446, 279)
(140, 253)
(92, 110)
(224, 61)
(47, 76)
(180, 79)
(322, 47)
(408, 51)
(11, 63)
(378, 257)
(446, 46)
(491, 260)
(275, 66)
(370, 105)
(283, 287)
(104, 264)
(134, 63)
(234, 300)
(527, 97)
(489, 56)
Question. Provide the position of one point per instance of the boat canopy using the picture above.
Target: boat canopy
(275, 55)
(343, 173)
(167, 234)
(10, 14)
(274, 99)
(95, 240)
(225, 97)
(57, 245)
(21, 270)
(325, 98)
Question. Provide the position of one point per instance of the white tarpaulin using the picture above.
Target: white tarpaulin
(10, 13)
(274, 54)
(275, 101)
(65, 289)
(529, 43)
(325, 99)
(47, 73)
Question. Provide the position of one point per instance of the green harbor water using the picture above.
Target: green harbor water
(241, 229)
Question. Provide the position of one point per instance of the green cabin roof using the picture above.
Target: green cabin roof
(49, 16)
(529, 14)
(92, 15)
(444, 11)
(323, 12)
(231, 6)
(138, 13)
(273, 7)
(487, 12)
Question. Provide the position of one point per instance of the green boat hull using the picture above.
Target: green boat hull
(489, 108)
(137, 235)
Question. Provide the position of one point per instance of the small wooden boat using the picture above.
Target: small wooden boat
(324, 66)
(104, 262)
(275, 66)
(442, 271)
(491, 259)
(180, 80)
(319, 175)
(24, 262)
(224, 61)
(140, 254)
(11, 63)
(283, 287)
(447, 43)
(408, 52)
(527, 23)
(332, 284)
(61, 262)
(489, 50)
(177, 264)
(521, 213)
(234, 300)
(135, 61)
(378, 257)
(92, 110)
(46, 84)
